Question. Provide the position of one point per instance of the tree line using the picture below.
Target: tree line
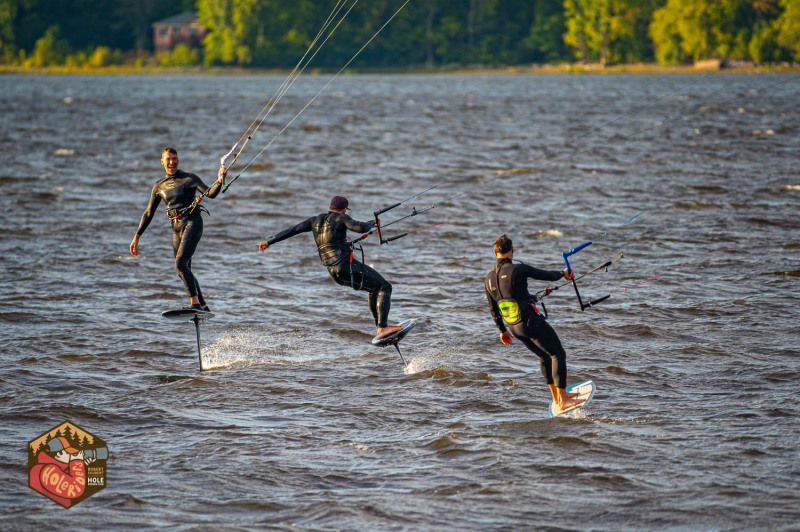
(425, 33)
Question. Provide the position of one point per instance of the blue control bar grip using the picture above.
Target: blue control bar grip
(572, 251)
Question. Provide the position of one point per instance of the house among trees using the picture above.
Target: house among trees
(179, 29)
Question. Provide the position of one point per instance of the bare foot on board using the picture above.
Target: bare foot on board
(569, 403)
(383, 332)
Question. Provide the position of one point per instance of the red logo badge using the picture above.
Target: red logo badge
(67, 464)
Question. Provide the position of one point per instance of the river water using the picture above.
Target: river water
(300, 424)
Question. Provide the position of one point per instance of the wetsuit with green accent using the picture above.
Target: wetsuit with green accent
(330, 234)
(511, 303)
(179, 191)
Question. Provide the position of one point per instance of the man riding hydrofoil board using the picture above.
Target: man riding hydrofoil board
(336, 253)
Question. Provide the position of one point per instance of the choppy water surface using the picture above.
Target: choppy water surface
(301, 423)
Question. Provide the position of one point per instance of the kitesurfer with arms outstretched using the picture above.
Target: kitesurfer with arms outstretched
(510, 303)
(330, 234)
(182, 193)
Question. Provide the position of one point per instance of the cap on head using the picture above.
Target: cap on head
(503, 245)
(61, 444)
(338, 203)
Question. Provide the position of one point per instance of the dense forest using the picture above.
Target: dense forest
(424, 33)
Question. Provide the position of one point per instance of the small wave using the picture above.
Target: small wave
(449, 444)
(710, 188)
(780, 412)
(569, 440)
(617, 370)
(630, 331)
(262, 165)
(753, 452)
(126, 500)
(511, 171)
(166, 379)
(19, 317)
(448, 376)
(608, 478)
(692, 205)
(76, 357)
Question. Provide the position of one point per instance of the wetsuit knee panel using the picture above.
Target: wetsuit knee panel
(182, 264)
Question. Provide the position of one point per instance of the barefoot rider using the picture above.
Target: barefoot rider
(510, 303)
(330, 234)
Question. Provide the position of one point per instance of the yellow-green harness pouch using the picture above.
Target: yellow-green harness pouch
(509, 309)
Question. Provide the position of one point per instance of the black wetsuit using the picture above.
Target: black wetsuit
(330, 235)
(510, 302)
(178, 192)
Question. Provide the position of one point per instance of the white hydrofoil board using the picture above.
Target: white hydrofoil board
(585, 391)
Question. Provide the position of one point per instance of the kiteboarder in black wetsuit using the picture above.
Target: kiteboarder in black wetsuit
(181, 192)
(335, 251)
(510, 303)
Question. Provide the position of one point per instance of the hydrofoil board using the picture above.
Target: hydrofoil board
(393, 339)
(585, 391)
(187, 314)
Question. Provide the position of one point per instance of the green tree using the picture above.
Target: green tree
(230, 26)
(693, 26)
(544, 41)
(581, 31)
(763, 45)
(50, 49)
(630, 31)
(607, 30)
(501, 28)
(724, 29)
(180, 56)
(788, 27)
(8, 12)
(104, 56)
(666, 34)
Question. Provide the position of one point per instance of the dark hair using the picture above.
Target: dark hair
(169, 149)
(503, 244)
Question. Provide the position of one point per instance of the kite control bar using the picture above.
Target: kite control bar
(381, 240)
(377, 227)
(565, 255)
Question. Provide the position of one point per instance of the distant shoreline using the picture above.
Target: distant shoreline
(567, 68)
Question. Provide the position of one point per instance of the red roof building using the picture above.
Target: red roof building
(179, 29)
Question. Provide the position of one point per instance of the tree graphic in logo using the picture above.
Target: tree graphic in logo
(67, 464)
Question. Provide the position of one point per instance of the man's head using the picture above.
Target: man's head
(169, 160)
(503, 247)
(338, 204)
(60, 449)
